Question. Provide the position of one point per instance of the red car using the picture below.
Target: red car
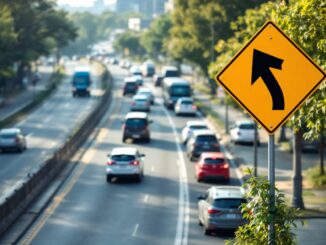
(212, 166)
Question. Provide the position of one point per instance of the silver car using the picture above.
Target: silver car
(125, 162)
(147, 92)
(140, 103)
(12, 139)
(220, 208)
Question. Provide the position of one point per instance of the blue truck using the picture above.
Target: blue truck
(81, 82)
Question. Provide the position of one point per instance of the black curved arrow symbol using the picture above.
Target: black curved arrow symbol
(260, 68)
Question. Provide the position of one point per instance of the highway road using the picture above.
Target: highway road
(160, 210)
(47, 128)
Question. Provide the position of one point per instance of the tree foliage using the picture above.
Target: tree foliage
(259, 215)
(128, 43)
(156, 36)
(197, 23)
(30, 29)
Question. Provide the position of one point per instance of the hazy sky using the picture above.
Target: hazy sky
(81, 2)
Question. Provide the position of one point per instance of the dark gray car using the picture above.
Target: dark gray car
(136, 127)
(220, 208)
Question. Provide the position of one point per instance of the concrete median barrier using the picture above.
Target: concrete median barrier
(13, 204)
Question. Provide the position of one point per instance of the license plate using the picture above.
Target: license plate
(231, 216)
(205, 146)
(136, 136)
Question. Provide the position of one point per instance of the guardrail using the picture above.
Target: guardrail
(15, 203)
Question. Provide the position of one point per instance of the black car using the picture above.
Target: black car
(202, 140)
(130, 86)
(136, 127)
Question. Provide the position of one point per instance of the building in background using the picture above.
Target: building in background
(147, 8)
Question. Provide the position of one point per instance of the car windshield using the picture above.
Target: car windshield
(136, 122)
(247, 126)
(186, 102)
(214, 160)
(206, 138)
(229, 202)
(123, 158)
(171, 73)
(198, 127)
(180, 91)
(7, 135)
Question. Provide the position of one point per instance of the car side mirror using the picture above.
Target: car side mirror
(142, 155)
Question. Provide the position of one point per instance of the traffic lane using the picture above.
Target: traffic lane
(47, 128)
(196, 234)
(122, 212)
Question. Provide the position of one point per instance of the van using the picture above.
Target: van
(81, 81)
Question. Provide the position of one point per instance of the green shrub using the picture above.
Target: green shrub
(315, 178)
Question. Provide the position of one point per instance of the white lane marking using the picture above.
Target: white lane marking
(135, 230)
(181, 237)
(146, 198)
(153, 169)
(29, 135)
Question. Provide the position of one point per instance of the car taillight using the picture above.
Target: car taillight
(194, 107)
(213, 211)
(225, 165)
(110, 162)
(134, 162)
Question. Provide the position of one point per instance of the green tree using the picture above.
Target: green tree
(8, 38)
(154, 38)
(197, 23)
(129, 44)
(259, 215)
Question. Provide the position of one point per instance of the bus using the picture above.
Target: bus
(174, 88)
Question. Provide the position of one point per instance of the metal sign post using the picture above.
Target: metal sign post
(271, 179)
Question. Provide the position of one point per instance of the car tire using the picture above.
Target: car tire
(123, 139)
(148, 140)
(108, 179)
(139, 178)
(207, 232)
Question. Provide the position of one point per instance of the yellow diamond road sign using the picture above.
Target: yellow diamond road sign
(271, 77)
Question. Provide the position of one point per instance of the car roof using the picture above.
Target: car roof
(242, 122)
(140, 97)
(123, 150)
(227, 192)
(144, 90)
(195, 123)
(136, 115)
(130, 79)
(10, 131)
(203, 132)
(175, 80)
(212, 155)
(138, 76)
(82, 69)
(171, 68)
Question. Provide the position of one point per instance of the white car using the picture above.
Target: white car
(244, 132)
(185, 106)
(190, 127)
(147, 92)
(125, 162)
